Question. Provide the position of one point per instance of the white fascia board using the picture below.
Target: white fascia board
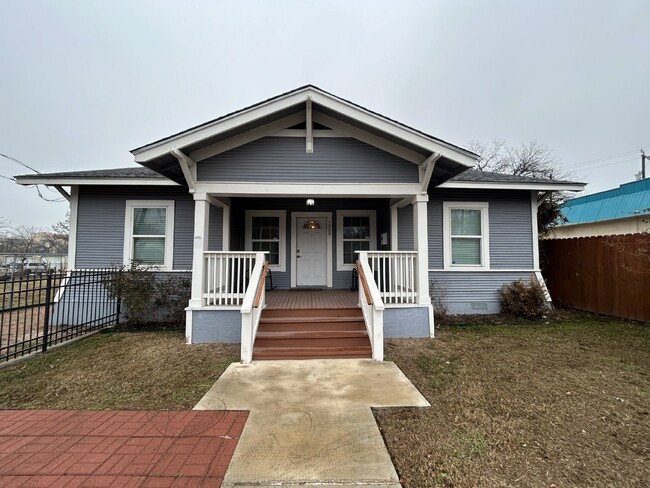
(393, 128)
(96, 181)
(289, 189)
(193, 136)
(513, 186)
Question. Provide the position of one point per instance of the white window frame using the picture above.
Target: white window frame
(447, 207)
(340, 214)
(282, 247)
(131, 205)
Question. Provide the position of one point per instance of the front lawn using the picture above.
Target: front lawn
(564, 403)
(117, 369)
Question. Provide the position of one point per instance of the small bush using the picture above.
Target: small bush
(523, 299)
(148, 298)
(438, 294)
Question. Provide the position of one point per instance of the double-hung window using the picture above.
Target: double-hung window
(266, 231)
(356, 231)
(149, 233)
(466, 231)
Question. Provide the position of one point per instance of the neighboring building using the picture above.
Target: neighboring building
(315, 182)
(623, 210)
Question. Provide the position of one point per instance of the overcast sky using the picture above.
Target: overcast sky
(83, 82)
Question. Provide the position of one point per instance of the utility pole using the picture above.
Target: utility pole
(643, 158)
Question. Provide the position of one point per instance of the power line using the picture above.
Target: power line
(604, 158)
(7, 178)
(609, 164)
(20, 162)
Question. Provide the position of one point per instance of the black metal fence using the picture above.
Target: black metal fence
(41, 311)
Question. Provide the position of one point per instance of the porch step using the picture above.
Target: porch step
(311, 334)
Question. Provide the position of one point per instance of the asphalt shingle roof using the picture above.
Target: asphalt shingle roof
(471, 175)
(134, 172)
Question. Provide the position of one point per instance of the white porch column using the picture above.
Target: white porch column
(201, 225)
(422, 247)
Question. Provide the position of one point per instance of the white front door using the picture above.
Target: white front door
(311, 251)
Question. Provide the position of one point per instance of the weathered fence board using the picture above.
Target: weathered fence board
(605, 274)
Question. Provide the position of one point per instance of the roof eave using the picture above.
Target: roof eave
(73, 181)
(569, 186)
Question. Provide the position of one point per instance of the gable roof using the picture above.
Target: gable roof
(292, 109)
(627, 200)
(473, 178)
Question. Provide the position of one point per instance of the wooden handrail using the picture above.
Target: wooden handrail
(362, 277)
(260, 285)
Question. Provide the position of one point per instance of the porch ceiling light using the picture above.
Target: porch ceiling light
(310, 202)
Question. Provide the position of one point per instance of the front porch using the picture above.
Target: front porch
(311, 299)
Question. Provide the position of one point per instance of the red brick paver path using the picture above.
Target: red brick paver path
(54, 448)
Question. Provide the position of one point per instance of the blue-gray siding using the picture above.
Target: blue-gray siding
(342, 160)
(511, 237)
(100, 223)
(473, 292)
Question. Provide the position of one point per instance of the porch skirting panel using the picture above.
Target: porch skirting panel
(406, 322)
(209, 326)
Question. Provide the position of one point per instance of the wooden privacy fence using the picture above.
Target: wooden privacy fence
(605, 274)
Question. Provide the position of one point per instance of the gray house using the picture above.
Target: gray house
(321, 197)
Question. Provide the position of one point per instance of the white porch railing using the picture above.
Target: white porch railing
(395, 273)
(252, 306)
(227, 276)
(372, 307)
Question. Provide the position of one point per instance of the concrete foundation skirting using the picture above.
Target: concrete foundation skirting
(406, 322)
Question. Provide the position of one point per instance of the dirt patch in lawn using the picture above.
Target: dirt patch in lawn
(564, 403)
(117, 369)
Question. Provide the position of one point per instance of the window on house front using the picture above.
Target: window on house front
(149, 233)
(466, 235)
(265, 231)
(355, 232)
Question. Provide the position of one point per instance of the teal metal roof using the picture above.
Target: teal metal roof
(625, 201)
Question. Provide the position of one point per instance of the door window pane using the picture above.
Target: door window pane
(273, 249)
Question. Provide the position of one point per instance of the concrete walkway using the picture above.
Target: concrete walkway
(310, 422)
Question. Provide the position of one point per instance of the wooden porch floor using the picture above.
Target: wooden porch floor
(287, 299)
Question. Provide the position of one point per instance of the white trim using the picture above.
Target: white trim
(296, 188)
(426, 170)
(188, 167)
(513, 186)
(535, 230)
(340, 265)
(294, 244)
(81, 180)
(130, 207)
(62, 191)
(246, 137)
(72, 238)
(200, 231)
(394, 229)
(368, 138)
(485, 234)
(421, 241)
(282, 240)
(491, 270)
(192, 136)
(309, 128)
(188, 325)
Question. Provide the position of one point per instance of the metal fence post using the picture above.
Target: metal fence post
(46, 321)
